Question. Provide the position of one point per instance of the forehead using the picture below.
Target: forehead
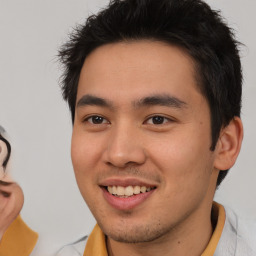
(137, 68)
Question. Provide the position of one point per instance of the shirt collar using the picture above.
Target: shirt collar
(96, 244)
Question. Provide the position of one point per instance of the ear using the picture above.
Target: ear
(229, 144)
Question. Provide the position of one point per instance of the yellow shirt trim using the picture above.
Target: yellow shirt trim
(219, 214)
(96, 244)
(18, 239)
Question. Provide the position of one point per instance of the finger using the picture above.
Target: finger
(10, 206)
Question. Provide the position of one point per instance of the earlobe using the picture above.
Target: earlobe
(229, 144)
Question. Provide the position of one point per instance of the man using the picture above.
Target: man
(154, 89)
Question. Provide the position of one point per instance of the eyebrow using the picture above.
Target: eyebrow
(160, 100)
(91, 100)
(154, 100)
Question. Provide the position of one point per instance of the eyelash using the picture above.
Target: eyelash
(161, 119)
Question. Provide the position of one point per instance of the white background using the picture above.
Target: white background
(39, 124)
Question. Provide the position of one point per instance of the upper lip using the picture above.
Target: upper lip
(125, 182)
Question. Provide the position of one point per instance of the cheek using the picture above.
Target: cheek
(186, 172)
(85, 152)
(81, 160)
(183, 160)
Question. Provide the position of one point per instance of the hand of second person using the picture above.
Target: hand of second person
(11, 202)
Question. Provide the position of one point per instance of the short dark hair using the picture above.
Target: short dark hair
(189, 24)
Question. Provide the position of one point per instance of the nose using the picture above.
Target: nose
(125, 146)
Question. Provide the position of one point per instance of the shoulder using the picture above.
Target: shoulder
(75, 249)
(20, 235)
(246, 235)
(238, 236)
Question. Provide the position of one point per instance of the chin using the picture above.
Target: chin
(130, 239)
(128, 233)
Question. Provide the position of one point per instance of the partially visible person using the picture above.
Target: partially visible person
(16, 238)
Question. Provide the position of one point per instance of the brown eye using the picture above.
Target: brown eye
(157, 120)
(96, 120)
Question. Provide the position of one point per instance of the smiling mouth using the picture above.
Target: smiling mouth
(125, 192)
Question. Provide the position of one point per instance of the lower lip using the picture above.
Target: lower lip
(126, 203)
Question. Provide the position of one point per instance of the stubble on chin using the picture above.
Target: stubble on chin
(134, 234)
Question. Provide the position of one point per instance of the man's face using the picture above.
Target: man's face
(142, 131)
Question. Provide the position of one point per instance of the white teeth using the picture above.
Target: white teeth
(120, 191)
(114, 190)
(136, 190)
(143, 189)
(110, 190)
(127, 191)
